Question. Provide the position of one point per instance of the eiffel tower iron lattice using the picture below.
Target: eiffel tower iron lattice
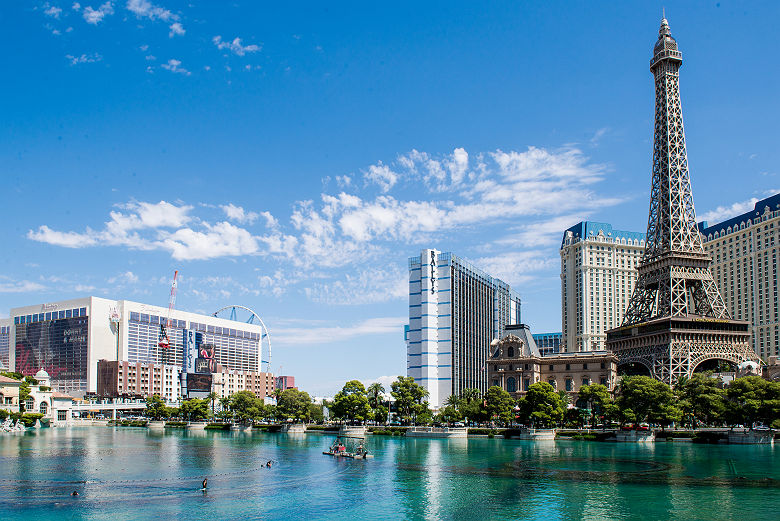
(676, 317)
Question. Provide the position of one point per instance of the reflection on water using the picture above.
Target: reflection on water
(126, 473)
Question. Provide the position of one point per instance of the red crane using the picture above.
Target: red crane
(163, 341)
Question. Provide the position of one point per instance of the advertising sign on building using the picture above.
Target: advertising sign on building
(190, 351)
(198, 385)
(203, 365)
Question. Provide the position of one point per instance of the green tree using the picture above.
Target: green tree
(380, 414)
(752, 399)
(542, 405)
(24, 394)
(293, 404)
(194, 409)
(499, 405)
(212, 397)
(410, 400)
(155, 408)
(702, 399)
(376, 394)
(351, 403)
(647, 398)
(450, 414)
(245, 406)
(470, 405)
(596, 396)
(315, 412)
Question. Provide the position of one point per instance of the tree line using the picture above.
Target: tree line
(692, 402)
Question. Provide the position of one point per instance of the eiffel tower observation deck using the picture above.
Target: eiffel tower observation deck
(676, 318)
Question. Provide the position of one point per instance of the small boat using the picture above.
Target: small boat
(341, 448)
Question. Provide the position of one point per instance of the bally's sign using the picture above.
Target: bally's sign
(190, 351)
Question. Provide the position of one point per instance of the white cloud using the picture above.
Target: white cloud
(382, 176)
(84, 58)
(514, 267)
(65, 239)
(386, 382)
(219, 240)
(320, 335)
(721, 213)
(127, 277)
(95, 16)
(543, 190)
(363, 287)
(145, 9)
(21, 286)
(235, 46)
(52, 10)
(270, 220)
(344, 181)
(175, 66)
(76, 6)
(176, 30)
(238, 214)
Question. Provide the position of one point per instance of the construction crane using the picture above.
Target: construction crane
(164, 341)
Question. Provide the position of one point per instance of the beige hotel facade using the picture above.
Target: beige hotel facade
(598, 274)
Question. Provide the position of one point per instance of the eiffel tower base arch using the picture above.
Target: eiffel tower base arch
(671, 348)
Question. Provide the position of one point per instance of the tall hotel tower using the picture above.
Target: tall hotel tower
(455, 312)
(598, 273)
(744, 252)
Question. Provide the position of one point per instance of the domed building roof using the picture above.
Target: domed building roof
(41, 375)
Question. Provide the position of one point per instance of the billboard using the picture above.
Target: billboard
(190, 351)
(198, 383)
(207, 352)
(203, 365)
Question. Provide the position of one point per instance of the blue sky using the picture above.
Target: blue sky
(291, 157)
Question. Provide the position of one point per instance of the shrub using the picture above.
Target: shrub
(218, 426)
(176, 424)
(28, 419)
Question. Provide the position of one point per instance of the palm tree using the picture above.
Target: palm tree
(213, 397)
(375, 393)
(469, 395)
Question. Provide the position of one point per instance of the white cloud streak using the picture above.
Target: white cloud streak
(722, 213)
(234, 46)
(176, 29)
(95, 16)
(145, 9)
(174, 65)
(84, 58)
(322, 335)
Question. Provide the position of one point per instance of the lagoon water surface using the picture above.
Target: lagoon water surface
(133, 473)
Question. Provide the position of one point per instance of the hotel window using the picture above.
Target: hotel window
(569, 384)
(603, 381)
(526, 383)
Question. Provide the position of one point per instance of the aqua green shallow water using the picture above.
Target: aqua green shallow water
(127, 473)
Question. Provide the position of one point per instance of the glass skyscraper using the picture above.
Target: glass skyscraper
(455, 311)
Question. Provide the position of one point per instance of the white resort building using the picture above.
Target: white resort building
(455, 312)
(598, 274)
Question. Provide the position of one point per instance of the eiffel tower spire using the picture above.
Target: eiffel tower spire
(674, 275)
(676, 318)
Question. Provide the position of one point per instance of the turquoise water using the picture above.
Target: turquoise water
(132, 473)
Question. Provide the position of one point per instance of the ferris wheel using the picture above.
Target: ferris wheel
(244, 314)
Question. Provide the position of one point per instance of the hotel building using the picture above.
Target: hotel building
(455, 311)
(516, 363)
(226, 383)
(548, 343)
(598, 274)
(122, 378)
(744, 251)
(68, 338)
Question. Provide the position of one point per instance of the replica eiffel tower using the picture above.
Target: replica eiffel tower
(676, 318)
